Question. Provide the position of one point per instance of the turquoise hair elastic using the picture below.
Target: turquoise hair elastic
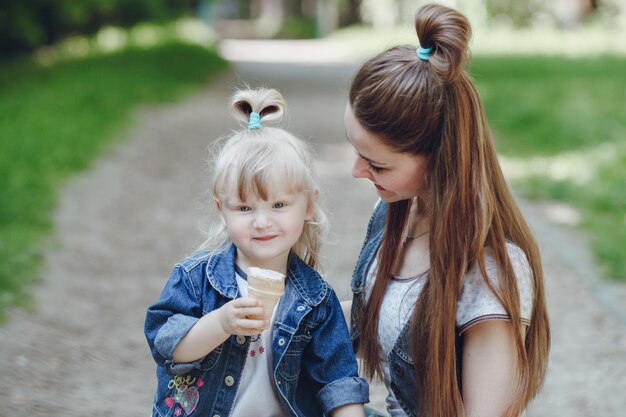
(422, 53)
(255, 121)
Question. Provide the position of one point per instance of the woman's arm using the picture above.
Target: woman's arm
(214, 328)
(349, 410)
(489, 368)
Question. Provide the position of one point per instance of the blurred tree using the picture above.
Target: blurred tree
(350, 12)
(270, 18)
(25, 25)
(517, 13)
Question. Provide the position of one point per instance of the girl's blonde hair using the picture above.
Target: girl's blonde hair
(261, 161)
(430, 107)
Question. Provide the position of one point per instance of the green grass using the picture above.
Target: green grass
(560, 126)
(56, 120)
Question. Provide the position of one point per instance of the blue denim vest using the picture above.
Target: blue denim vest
(401, 369)
(314, 367)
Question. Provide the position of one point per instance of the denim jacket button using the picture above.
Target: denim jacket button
(281, 341)
(300, 308)
(216, 415)
(241, 340)
(397, 369)
(229, 381)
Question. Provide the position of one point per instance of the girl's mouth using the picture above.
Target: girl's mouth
(378, 187)
(264, 238)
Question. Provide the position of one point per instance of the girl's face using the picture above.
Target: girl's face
(396, 176)
(264, 231)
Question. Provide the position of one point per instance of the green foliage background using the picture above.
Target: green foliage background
(27, 24)
(56, 120)
(568, 113)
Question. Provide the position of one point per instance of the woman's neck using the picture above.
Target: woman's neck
(415, 250)
(418, 222)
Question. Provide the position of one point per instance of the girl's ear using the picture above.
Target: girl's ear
(309, 210)
(218, 207)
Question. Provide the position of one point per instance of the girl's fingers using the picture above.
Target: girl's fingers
(246, 302)
(249, 326)
(251, 311)
(256, 324)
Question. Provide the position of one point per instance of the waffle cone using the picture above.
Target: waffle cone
(266, 286)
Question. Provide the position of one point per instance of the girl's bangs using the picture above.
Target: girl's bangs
(266, 174)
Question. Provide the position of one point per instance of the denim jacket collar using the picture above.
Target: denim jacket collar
(373, 239)
(220, 270)
(222, 264)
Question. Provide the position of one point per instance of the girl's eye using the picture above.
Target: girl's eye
(279, 205)
(243, 208)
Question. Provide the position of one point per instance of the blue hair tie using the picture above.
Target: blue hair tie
(255, 121)
(422, 53)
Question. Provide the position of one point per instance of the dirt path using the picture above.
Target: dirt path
(122, 225)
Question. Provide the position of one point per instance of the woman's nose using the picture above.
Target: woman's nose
(360, 168)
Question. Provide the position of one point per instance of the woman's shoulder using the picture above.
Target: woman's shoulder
(477, 300)
(517, 257)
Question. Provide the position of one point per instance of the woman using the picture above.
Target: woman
(449, 307)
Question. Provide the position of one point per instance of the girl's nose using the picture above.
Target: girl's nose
(360, 168)
(261, 221)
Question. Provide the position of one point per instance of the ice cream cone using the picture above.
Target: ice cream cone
(266, 286)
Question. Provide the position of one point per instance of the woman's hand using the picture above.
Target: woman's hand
(235, 317)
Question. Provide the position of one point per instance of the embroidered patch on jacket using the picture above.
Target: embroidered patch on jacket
(186, 396)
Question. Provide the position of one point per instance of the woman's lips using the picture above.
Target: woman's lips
(378, 187)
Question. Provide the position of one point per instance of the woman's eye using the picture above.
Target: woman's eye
(279, 205)
(244, 208)
(375, 168)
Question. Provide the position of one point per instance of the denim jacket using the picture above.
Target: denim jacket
(314, 368)
(401, 369)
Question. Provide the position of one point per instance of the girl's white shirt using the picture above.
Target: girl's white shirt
(476, 303)
(256, 395)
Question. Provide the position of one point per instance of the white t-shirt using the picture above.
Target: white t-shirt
(476, 303)
(256, 395)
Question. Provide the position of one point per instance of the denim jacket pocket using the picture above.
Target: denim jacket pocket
(289, 367)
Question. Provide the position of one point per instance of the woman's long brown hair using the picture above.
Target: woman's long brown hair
(432, 108)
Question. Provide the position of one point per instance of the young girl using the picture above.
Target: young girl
(214, 358)
(449, 308)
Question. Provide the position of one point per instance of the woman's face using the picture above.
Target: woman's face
(396, 176)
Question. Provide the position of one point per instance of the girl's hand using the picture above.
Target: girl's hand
(234, 315)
